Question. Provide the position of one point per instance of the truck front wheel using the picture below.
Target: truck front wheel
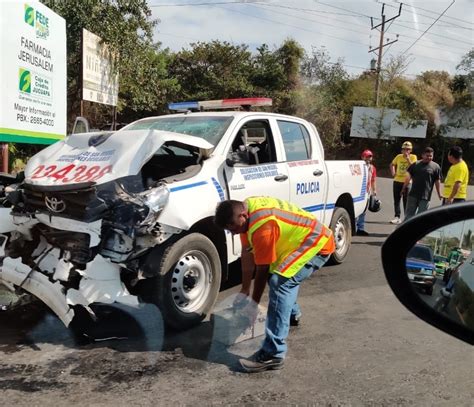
(341, 227)
(187, 282)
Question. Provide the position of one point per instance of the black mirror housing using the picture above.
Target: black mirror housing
(394, 254)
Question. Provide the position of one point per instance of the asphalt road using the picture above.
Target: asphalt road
(356, 346)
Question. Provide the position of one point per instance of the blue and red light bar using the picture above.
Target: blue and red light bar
(220, 104)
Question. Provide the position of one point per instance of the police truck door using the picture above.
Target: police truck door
(305, 166)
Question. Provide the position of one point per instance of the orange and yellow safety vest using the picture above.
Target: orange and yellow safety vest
(301, 235)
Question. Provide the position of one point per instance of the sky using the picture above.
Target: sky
(343, 27)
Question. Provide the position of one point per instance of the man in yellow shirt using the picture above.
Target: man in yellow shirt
(455, 184)
(398, 168)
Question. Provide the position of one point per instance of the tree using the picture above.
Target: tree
(126, 26)
(467, 240)
(268, 74)
(213, 70)
(289, 55)
(467, 65)
(323, 97)
(317, 69)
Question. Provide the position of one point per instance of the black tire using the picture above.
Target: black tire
(186, 268)
(342, 228)
(429, 291)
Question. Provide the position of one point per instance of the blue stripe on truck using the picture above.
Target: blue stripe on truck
(359, 198)
(181, 187)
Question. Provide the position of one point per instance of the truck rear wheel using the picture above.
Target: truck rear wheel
(187, 282)
(341, 227)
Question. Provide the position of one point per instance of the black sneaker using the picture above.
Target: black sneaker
(362, 232)
(261, 362)
(295, 320)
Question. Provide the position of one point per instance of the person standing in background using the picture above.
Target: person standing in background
(398, 168)
(424, 174)
(455, 184)
(367, 156)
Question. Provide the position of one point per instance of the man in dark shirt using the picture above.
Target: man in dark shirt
(424, 174)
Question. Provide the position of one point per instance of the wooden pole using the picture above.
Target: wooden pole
(5, 157)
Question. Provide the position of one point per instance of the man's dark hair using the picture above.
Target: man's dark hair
(456, 152)
(428, 150)
(225, 212)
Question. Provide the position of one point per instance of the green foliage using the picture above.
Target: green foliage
(268, 75)
(219, 70)
(467, 65)
(324, 96)
(126, 26)
(213, 70)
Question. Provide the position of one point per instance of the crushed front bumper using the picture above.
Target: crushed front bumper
(100, 283)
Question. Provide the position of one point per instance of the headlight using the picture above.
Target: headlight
(155, 199)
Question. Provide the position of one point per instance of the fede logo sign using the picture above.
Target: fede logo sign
(38, 20)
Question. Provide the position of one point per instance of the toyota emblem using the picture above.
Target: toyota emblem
(54, 204)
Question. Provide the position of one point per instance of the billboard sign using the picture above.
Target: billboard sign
(32, 73)
(99, 82)
(456, 122)
(371, 122)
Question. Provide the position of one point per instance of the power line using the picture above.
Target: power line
(293, 26)
(306, 19)
(196, 39)
(312, 31)
(399, 25)
(432, 12)
(265, 7)
(434, 22)
(203, 4)
(436, 35)
(381, 47)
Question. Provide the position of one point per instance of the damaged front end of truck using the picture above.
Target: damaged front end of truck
(79, 229)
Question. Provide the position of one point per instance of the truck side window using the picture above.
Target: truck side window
(295, 140)
(253, 144)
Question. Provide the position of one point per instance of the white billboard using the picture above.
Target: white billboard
(371, 122)
(32, 73)
(456, 122)
(99, 81)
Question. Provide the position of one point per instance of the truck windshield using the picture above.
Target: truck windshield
(209, 128)
(421, 252)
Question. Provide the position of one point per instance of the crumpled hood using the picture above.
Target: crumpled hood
(80, 158)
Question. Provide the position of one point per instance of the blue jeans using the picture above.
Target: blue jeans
(360, 222)
(282, 304)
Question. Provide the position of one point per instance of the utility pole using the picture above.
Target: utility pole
(381, 46)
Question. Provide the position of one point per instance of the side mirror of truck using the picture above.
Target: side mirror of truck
(444, 301)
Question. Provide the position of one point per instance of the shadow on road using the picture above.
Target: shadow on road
(117, 327)
(384, 235)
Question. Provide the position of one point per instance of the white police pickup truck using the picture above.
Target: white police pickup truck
(127, 216)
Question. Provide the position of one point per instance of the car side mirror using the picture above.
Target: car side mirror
(429, 264)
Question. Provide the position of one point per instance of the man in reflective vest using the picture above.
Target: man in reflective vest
(284, 245)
